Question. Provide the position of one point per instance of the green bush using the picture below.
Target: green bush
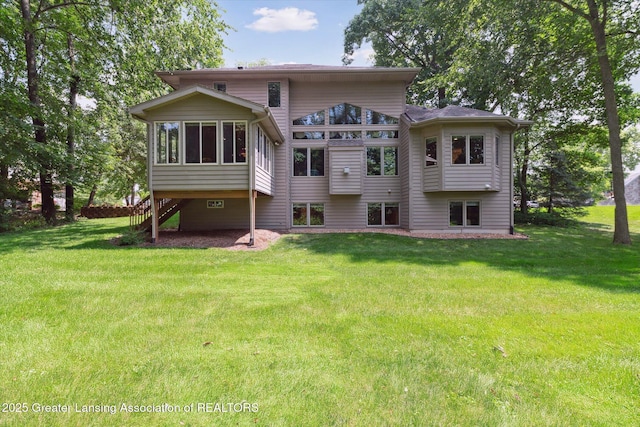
(559, 217)
(132, 237)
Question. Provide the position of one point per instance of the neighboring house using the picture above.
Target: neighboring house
(632, 189)
(297, 146)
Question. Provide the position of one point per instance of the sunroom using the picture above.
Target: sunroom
(206, 144)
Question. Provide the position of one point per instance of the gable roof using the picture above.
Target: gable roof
(261, 111)
(420, 116)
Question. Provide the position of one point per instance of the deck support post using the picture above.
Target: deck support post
(155, 224)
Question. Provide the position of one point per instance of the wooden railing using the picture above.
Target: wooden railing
(140, 212)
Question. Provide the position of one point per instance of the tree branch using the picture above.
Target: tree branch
(571, 8)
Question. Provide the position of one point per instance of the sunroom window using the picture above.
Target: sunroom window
(167, 142)
(200, 141)
(234, 142)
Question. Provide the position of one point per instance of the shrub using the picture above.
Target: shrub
(131, 237)
(559, 217)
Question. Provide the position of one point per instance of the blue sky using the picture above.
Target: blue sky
(294, 31)
(288, 31)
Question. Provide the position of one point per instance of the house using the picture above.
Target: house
(301, 146)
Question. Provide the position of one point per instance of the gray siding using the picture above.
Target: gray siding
(196, 216)
(351, 158)
(264, 181)
(200, 177)
(430, 210)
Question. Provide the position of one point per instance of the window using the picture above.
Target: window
(274, 94)
(355, 134)
(308, 214)
(313, 119)
(467, 150)
(431, 152)
(464, 214)
(382, 134)
(167, 142)
(200, 140)
(308, 162)
(234, 142)
(375, 118)
(345, 114)
(497, 148)
(222, 87)
(308, 135)
(383, 214)
(382, 161)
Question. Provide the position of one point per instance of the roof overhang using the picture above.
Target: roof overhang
(262, 112)
(294, 73)
(504, 121)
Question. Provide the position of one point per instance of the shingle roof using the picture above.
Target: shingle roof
(420, 116)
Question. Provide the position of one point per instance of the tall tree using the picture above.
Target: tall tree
(621, 19)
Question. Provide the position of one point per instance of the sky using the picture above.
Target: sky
(288, 31)
(294, 32)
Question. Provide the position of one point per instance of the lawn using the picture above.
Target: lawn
(326, 329)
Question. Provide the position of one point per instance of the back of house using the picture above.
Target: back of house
(301, 146)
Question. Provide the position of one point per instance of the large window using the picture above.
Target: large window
(313, 119)
(345, 114)
(431, 152)
(383, 214)
(200, 140)
(464, 214)
(167, 142)
(382, 161)
(467, 149)
(308, 214)
(376, 118)
(274, 94)
(234, 142)
(308, 161)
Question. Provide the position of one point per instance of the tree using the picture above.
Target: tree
(613, 18)
(101, 50)
(411, 33)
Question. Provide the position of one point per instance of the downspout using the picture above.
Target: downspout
(252, 178)
(512, 148)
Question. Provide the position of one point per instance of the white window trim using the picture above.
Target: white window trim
(467, 139)
(464, 213)
(155, 144)
(382, 174)
(246, 142)
(382, 207)
(183, 137)
(308, 219)
(309, 148)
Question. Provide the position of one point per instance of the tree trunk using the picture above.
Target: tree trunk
(442, 97)
(621, 231)
(92, 195)
(46, 181)
(71, 137)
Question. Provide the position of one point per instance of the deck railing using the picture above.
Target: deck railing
(140, 212)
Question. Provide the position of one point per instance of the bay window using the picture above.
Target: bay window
(467, 149)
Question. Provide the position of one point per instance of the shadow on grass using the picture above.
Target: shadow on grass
(579, 254)
(83, 234)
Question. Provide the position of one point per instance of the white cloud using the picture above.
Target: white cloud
(287, 19)
(363, 56)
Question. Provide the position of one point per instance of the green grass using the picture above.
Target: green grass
(327, 329)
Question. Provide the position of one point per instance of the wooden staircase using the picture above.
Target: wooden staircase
(141, 217)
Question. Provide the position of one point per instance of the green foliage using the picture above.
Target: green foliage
(559, 217)
(132, 237)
